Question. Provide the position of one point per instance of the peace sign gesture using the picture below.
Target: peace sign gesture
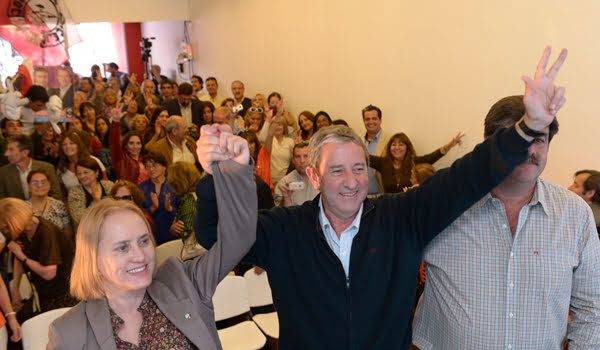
(542, 98)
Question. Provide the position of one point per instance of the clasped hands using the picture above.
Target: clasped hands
(217, 143)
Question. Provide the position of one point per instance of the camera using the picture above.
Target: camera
(296, 186)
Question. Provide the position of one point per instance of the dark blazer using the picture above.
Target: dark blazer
(68, 99)
(247, 103)
(10, 182)
(183, 291)
(197, 110)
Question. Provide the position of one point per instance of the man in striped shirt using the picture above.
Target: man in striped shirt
(510, 270)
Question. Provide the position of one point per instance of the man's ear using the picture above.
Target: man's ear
(313, 177)
(588, 195)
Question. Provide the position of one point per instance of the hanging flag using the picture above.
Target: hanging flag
(36, 29)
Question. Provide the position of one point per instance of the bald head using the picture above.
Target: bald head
(222, 115)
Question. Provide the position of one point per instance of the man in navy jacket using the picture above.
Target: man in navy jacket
(342, 268)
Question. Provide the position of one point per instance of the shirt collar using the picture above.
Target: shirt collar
(539, 197)
(376, 138)
(325, 221)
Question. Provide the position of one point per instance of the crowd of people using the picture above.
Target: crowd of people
(144, 163)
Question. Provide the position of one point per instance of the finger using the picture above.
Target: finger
(559, 94)
(527, 80)
(223, 128)
(560, 104)
(557, 64)
(543, 62)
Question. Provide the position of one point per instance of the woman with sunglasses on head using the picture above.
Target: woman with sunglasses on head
(45, 206)
(254, 119)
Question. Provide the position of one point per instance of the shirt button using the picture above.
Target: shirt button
(511, 315)
(511, 285)
(512, 254)
(503, 225)
(509, 346)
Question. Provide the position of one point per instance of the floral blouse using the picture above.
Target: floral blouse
(157, 332)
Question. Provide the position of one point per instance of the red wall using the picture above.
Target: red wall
(133, 35)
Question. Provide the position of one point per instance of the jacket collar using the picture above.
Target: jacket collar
(99, 318)
(368, 206)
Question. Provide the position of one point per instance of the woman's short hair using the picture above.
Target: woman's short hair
(157, 158)
(138, 196)
(283, 122)
(15, 214)
(138, 117)
(183, 177)
(252, 138)
(86, 281)
(35, 172)
(90, 163)
(85, 105)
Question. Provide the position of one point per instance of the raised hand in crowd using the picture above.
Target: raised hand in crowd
(542, 98)
(456, 140)
(116, 113)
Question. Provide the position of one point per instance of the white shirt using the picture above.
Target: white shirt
(182, 154)
(23, 177)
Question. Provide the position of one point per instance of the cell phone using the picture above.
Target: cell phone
(296, 186)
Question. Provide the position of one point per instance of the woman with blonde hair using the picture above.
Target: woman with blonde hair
(126, 301)
(277, 144)
(41, 249)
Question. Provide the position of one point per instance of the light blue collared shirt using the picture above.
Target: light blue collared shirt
(341, 246)
(372, 147)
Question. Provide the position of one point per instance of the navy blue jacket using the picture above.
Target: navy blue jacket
(318, 307)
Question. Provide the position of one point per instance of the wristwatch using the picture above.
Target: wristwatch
(527, 131)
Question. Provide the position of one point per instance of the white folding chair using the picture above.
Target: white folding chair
(230, 300)
(3, 338)
(259, 294)
(35, 330)
(24, 287)
(167, 249)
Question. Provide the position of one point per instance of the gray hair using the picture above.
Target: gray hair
(332, 134)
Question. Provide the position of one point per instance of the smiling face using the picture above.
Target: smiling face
(305, 123)
(322, 122)
(398, 149)
(372, 122)
(39, 185)
(134, 146)
(342, 179)
(69, 148)
(126, 254)
(86, 176)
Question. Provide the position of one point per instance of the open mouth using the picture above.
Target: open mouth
(138, 270)
(349, 195)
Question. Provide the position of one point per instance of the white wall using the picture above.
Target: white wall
(167, 44)
(434, 67)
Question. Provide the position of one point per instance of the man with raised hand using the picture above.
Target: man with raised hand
(342, 268)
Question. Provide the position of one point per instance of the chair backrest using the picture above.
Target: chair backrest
(259, 291)
(231, 298)
(25, 288)
(35, 330)
(3, 338)
(165, 250)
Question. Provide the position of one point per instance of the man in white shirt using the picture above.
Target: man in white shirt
(295, 188)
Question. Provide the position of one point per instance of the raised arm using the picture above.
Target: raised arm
(227, 158)
(447, 194)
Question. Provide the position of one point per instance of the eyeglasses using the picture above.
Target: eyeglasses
(123, 198)
(256, 109)
(39, 182)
